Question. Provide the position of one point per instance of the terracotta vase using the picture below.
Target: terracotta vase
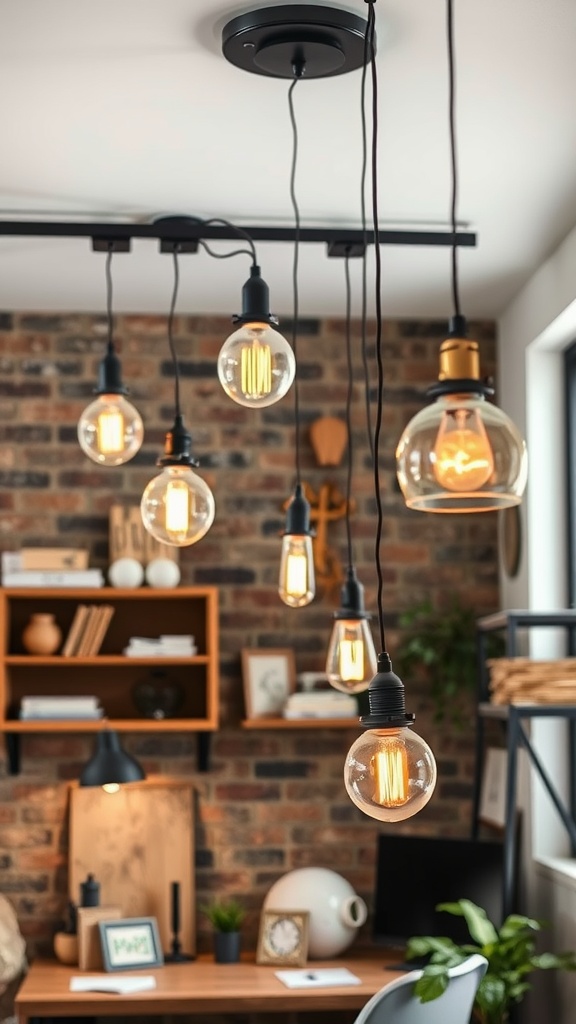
(66, 948)
(42, 635)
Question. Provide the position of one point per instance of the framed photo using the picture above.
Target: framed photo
(129, 943)
(269, 678)
(492, 809)
(283, 938)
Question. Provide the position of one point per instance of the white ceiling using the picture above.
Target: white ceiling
(127, 108)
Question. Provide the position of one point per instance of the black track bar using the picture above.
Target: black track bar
(184, 229)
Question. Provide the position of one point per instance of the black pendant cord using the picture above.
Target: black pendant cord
(237, 252)
(177, 410)
(453, 158)
(378, 262)
(295, 207)
(110, 341)
(369, 430)
(349, 396)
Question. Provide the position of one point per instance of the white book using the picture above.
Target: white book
(47, 578)
(87, 702)
(104, 983)
(320, 978)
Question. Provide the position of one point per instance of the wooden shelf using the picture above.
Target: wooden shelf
(110, 675)
(301, 723)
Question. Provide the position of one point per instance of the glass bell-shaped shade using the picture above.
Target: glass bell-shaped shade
(256, 366)
(177, 506)
(461, 454)
(296, 582)
(110, 430)
(390, 774)
(351, 660)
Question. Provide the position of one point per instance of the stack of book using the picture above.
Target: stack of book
(166, 646)
(71, 707)
(87, 631)
(321, 704)
(50, 567)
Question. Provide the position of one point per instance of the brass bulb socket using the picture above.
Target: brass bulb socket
(459, 360)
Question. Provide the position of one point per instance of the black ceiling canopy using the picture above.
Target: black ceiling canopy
(275, 41)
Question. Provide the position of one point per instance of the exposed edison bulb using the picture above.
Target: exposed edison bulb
(296, 583)
(256, 366)
(351, 659)
(463, 457)
(177, 506)
(111, 787)
(110, 430)
(390, 774)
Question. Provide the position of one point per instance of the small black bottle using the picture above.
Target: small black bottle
(90, 892)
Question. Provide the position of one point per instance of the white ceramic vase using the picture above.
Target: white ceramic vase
(336, 912)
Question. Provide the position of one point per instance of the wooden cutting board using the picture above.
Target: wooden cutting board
(136, 843)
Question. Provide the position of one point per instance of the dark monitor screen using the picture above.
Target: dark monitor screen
(415, 873)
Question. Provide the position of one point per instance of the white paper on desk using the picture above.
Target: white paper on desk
(317, 979)
(119, 985)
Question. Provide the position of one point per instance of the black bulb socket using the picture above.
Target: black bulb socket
(255, 301)
(386, 699)
(457, 326)
(177, 446)
(298, 514)
(352, 598)
(110, 375)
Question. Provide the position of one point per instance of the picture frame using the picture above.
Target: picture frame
(283, 938)
(492, 810)
(129, 943)
(269, 677)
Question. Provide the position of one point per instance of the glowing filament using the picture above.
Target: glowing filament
(256, 370)
(390, 771)
(177, 507)
(297, 575)
(351, 660)
(463, 456)
(111, 787)
(110, 427)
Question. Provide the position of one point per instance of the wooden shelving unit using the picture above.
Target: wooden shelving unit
(301, 723)
(110, 675)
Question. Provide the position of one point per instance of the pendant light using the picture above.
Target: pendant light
(110, 766)
(256, 365)
(351, 659)
(296, 582)
(461, 454)
(110, 430)
(177, 506)
(390, 771)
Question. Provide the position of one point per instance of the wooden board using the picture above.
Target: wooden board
(136, 842)
(89, 947)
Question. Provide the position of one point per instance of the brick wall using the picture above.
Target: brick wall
(271, 801)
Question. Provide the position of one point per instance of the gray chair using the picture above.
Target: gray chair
(397, 1003)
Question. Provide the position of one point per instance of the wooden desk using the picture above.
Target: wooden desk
(199, 987)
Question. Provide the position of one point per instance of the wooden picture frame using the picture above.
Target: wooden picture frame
(283, 938)
(269, 677)
(130, 943)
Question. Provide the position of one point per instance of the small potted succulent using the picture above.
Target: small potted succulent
(226, 917)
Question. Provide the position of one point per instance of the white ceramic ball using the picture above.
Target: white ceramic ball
(162, 572)
(126, 572)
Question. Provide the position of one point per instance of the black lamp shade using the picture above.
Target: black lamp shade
(110, 763)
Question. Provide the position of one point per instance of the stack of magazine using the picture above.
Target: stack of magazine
(69, 706)
(321, 704)
(165, 646)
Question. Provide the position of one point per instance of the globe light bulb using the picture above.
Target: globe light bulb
(296, 581)
(351, 659)
(110, 430)
(390, 774)
(256, 366)
(177, 506)
(463, 457)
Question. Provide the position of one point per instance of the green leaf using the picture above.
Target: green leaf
(433, 983)
(480, 928)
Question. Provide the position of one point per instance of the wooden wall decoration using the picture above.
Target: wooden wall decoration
(137, 842)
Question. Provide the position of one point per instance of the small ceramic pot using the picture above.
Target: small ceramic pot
(226, 947)
(66, 948)
(42, 635)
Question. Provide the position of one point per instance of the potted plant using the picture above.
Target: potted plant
(510, 952)
(226, 917)
(440, 645)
